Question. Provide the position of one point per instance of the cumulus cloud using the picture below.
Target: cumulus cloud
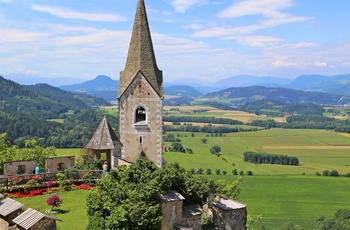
(182, 5)
(71, 14)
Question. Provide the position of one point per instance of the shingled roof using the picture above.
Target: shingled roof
(9, 206)
(141, 57)
(104, 137)
(30, 217)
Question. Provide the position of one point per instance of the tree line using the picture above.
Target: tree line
(267, 158)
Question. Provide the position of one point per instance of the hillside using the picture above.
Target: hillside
(242, 95)
(64, 96)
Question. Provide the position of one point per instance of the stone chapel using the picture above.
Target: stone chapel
(140, 97)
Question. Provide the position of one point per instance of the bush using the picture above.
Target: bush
(200, 171)
(234, 172)
(241, 173)
(217, 171)
(55, 201)
(224, 172)
(208, 171)
(249, 173)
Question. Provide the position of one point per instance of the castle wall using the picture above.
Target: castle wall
(58, 164)
(235, 219)
(172, 213)
(15, 167)
(145, 136)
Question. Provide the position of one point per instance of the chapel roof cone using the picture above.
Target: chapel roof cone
(141, 55)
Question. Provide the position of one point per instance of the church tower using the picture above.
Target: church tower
(140, 96)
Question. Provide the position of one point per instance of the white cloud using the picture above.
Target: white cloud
(6, 1)
(268, 8)
(182, 5)
(71, 14)
(321, 64)
(257, 41)
(285, 62)
(194, 26)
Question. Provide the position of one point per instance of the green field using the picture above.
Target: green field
(279, 193)
(314, 148)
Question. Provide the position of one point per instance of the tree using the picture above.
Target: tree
(341, 220)
(215, 150)
(129, 197)
(208, 171)
(234, 172)
(177, 147)
(217, 171)
(204, 140)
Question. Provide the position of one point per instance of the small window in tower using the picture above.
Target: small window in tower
(140, 88)
(140, 114)
(140, 140)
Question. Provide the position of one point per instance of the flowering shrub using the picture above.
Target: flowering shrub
(54, 201)
(35, 180)
(50, 183)
(16, 180)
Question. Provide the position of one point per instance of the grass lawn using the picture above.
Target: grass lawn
(68, 152)
(73, 214)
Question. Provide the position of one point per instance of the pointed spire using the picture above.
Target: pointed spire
(141, 55)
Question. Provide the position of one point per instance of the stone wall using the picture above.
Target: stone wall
(46, 224)
(19, 167)
(235, 219)
(58, 164)
(172, 213)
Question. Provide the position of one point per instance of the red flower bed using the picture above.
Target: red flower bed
(84, 187)
(31, 193)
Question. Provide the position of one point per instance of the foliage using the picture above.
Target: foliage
(267, 158)
(341, 220)
(177, 147)
(129, 197)
(55, 201)
(209, 120)
(216, 149)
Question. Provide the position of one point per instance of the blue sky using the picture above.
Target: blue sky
(203, 39)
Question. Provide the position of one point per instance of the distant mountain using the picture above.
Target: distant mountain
(100, 83)
(242, 95)
(182, 90)
(338, 84)
(248, 80)
(107, 88)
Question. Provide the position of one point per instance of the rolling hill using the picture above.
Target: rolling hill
(242, 95)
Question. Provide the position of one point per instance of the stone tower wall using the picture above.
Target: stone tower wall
(142, 137)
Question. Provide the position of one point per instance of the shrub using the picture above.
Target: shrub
(249, 173)
(217, 171)
(208, 171)
(55, 201)
(241, 173)
(224, 172)
(234, 172)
